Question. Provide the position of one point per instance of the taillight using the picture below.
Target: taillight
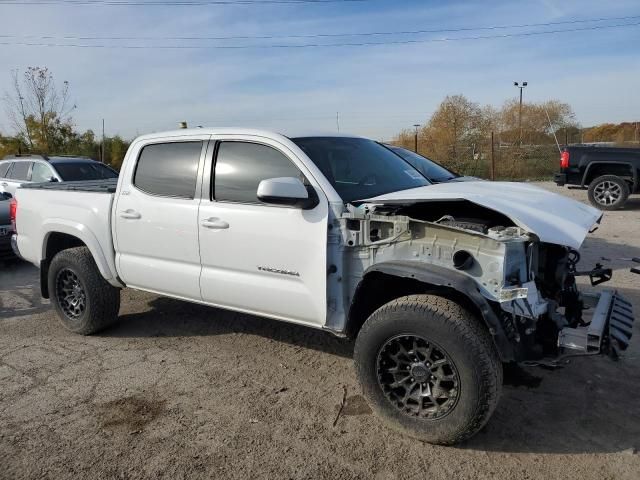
(13, 212)
(564, 159)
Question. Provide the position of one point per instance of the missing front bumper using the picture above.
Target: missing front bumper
(610, 329)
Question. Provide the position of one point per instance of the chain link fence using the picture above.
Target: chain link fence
(529, 162)
(510, 162)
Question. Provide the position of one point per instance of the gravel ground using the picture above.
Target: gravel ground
(177, 390)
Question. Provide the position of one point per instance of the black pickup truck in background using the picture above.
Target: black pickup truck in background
(610, 174)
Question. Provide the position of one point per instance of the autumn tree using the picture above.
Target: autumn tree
(9, 145)
(539, 122)
(39, 110)
(118, 149)
(621, 133)
(455, 132)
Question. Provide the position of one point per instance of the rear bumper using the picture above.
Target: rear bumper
(560, 179)
(610, 329)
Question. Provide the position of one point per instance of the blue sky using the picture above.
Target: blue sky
(378, 90)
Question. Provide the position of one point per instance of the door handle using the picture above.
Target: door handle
(214, 222)
(130, 214)
(4, 184)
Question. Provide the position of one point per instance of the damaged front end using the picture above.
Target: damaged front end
(524, 287)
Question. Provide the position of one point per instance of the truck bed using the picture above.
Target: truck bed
(95, 186)
(78, 209)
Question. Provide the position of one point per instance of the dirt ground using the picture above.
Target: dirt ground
(177, 390)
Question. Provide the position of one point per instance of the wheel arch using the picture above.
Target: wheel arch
(624, 170)
(386, 281)
(62, 235)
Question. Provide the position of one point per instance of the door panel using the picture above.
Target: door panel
(157, 236)
(158, 250)
(269, 260)
(260, 258)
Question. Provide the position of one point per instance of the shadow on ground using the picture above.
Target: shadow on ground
(175, 318)
(20, 290)
(589, 406)
(633, 203)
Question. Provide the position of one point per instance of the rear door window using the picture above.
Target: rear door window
(41, 173)
(168, 169)
(20, 171)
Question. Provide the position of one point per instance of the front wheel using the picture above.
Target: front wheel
(428, 368)
(608, 192)
(84, 301)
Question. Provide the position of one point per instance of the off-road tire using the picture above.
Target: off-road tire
(622, 193)
(102, 300)
(466, 342)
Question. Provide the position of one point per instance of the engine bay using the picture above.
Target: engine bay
(529, 284)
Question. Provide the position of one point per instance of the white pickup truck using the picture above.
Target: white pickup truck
(440, 285)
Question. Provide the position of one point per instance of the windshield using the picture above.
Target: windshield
(429, 168)
(75, 171)
(359, 168)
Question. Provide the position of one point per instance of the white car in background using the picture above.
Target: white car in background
(16, 170)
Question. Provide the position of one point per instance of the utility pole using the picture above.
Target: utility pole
(338, 120)
(493, 160)
(415, 143)
(102, 146)
(521, 87)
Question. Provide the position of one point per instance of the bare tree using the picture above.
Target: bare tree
(454, 132)
(37, 108)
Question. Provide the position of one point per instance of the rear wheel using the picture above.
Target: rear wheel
(84, 301)
(608, 192)
(429, 368)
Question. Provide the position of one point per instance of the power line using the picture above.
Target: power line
(172, 2)
(316, 45)
(320, 35)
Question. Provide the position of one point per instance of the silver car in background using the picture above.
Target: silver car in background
(431, 170)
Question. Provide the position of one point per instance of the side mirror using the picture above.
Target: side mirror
(5, 196)
(53, 179)
(287, 191)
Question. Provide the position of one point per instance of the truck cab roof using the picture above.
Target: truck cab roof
(602, 148)
(69, 159)
(259, 132)
(50, 159)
